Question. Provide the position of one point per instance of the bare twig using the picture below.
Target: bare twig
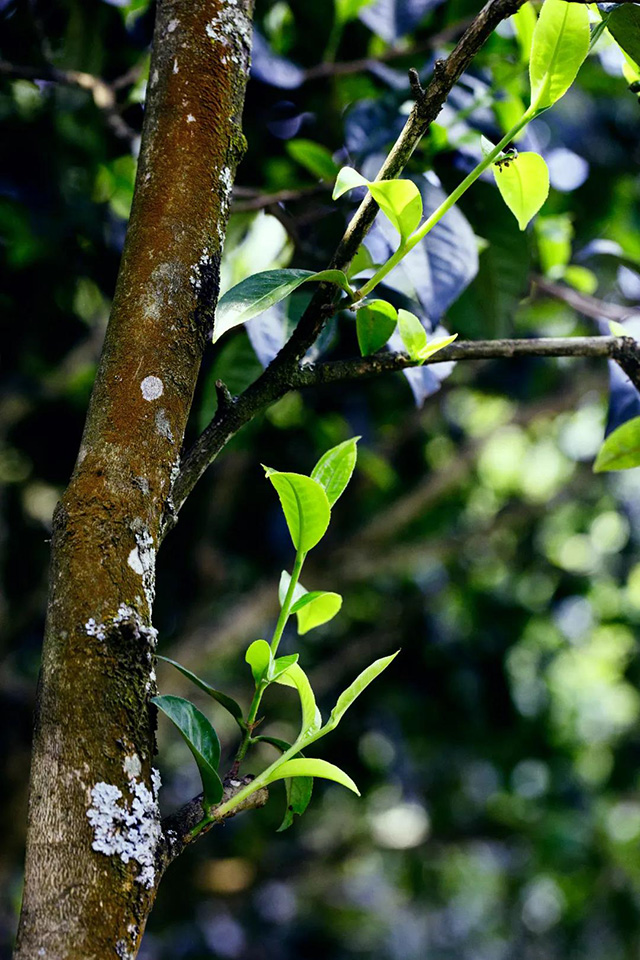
(586, 305)
(178, 827)
(244, 201)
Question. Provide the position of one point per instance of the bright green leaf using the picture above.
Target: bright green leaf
(355, 689)
(435, 345)
(523, 183)
(201, 739)
(305, 505)
(621, 449)
(316, 608)
(560, 45)
(349, 9)
(281, 665)
(335, 468)
(299, 790)
(256, 294)
(581, 279)
(258, 656)
(309, 767)
(616, 329)
(313, 157)
(414, 335)
(296, 677)
(401, 202)
(227, 702)
(347, 179)
(524, 24)
(375, 322)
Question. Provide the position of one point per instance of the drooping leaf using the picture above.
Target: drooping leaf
(560, 45)
(316, 608)
(334, 469)
(347, 179)
(523, 183)
(401, 203)
(623, 23)
(253, 296)
(310, 767)
(298, 790)
(281, 665)
(297, 678)
(621, 449)
(375, 322)
(227, 702)
(305, 505)
(313, 157)
(258, 656)
(354, 690)
(201, 739)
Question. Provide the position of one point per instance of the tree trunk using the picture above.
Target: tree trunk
(95, 843)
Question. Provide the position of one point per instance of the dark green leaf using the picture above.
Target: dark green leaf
(201, 739)
(227, 702)
(298, 791)
(313, 157)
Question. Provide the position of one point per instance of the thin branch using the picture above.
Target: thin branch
(103, 93)
(622, 349)
(276, 380)
(178, 827)
(245, 200)
(586, 305)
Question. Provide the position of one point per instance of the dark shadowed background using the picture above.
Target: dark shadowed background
(499, 756)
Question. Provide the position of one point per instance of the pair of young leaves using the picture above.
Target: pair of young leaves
(306, 502)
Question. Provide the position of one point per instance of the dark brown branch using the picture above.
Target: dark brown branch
(276, 380)
(178, 827)
(244, 200)
(622, 349)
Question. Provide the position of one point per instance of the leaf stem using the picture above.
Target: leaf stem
(287, 602)
(444, 207)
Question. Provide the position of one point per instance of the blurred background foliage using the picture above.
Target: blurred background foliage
(499, 756)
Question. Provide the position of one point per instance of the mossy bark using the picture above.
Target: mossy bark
(94, 845)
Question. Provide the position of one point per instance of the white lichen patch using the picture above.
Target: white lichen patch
(142, 559)
(127, 614)
(127, 827)
(171, 26)
(231, 28)
(191, 118)
(152, 388)
(154, 78)
(94, 629)
(195, 277)
(132, 766)
(163, 426)
(175, 66)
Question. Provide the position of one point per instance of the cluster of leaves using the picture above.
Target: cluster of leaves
(306, 503)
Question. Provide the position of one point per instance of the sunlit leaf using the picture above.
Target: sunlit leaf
(297, 678)
(354, 690)
(560, 45)
(201, 739)
(281, 665)
(309, 767)
(414, 335)
(524, 23)
(283, 586)
(305, 506)
(256, 294)
(258, 656)
(401, 203)
(375, 322)
(347, 179)
(227, 702)
(335, 468)
(523, 183)
(621, 449)
(316, 608)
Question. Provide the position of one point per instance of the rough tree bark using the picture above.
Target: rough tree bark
(95, 847)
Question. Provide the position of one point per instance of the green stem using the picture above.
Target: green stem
(287, 602)
(444, 207)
